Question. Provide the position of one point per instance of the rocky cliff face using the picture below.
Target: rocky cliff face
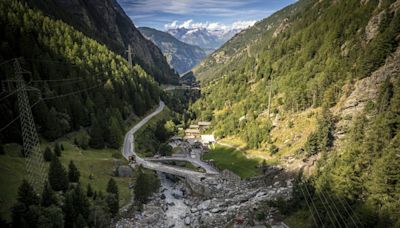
(363, 91)
(106, 22)
(181, 56)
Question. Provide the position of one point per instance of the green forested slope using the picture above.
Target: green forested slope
(313, 53)
(310, 50)
(53, 50)
(105, 21)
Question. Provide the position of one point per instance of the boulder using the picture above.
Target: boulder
(187, 221)
(124, 171)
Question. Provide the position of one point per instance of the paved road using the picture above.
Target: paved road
(169, 88)
(128, 149)
(208, 168)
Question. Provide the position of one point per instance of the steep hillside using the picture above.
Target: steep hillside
(239, 46)
(181, 56)
(317, 81)
(82, 82)
(106, 22)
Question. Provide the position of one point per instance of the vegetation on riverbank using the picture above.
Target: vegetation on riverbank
(233, 160)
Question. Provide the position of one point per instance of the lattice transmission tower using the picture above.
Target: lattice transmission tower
(31, 146)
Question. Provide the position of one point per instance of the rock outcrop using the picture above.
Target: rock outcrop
(363, 91)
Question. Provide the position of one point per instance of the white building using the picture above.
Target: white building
(207, 139)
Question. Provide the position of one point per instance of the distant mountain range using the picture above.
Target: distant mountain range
(181, 56)
(208, 40)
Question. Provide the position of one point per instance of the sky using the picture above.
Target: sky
(210, 14)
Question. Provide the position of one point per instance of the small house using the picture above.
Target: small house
(192, 132)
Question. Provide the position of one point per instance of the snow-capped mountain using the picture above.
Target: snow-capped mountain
(208, 40)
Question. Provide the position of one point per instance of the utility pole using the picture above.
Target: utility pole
(270, 93)
(31, 146)
(130, 56)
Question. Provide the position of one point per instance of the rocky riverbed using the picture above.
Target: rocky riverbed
(232, 202)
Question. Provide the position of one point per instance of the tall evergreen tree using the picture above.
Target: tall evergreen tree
(48, 197)
(57, 175)
(89, 191)
(142, 188)
(115, 134)
(57, 149)
(27, 195)
(112, 186)
(51, 216)
(112, 203)
(73, 172)
(112, 198)
(96, 136)
(47, 154)
(25, 212)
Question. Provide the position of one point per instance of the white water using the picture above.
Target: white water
(177, 210)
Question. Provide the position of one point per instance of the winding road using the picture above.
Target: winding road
(128, 149)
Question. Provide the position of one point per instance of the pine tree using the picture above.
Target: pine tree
(57, 149)
(89, 192)
(27, 195)
(47, 154)
(113, 197)
(57, 175)
(80, 221)
(51, 216)
(141, 187)
(96, 136)
(25, 211)
(48, 197)
(112, 203)
(112, 187)
(115, 134)
(73, 172)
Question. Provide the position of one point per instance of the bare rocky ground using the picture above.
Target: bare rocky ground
(229, 202)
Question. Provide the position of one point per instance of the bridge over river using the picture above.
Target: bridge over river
(156, 164)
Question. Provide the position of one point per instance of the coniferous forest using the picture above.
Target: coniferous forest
(82, 83)
(294, 120)
(303, 58)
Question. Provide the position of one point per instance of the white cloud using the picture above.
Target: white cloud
(213, 26)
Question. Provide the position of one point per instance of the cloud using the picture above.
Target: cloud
(184, 7)
(213, 26)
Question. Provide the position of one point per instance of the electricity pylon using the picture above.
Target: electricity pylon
(31, 145)
(130, 52)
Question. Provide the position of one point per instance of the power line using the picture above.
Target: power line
(309, 207)
(72, 93)
(336, 208)
(59, 80)
(326, 209)
(330, 208)
(6, 96)
(312, 202)
(7, 61)
(347, 212)
(351, 210)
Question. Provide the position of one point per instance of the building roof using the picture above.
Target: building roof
(204, 123)
(194, 126)
(207, 138)
(195, 131)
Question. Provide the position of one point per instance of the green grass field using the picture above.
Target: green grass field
(99, 163)
(233, 160)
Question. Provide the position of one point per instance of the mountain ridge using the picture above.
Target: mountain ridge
(181, 56)
(106, 22)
